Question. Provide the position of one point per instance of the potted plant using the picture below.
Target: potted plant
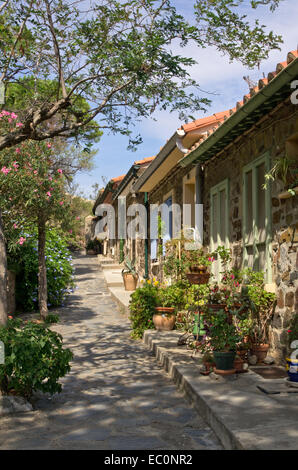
(217, 299)
(261, 312)
(142, 308)
(168, 299)
(208, 361)
(130, 276)
(90, 248)
(238, 363)
(198, 263)
(222, 337)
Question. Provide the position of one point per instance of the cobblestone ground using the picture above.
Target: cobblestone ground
(116, 396)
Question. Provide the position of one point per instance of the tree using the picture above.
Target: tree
(117, 56)
(33, 182)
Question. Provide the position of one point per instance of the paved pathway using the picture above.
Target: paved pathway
(116, 396)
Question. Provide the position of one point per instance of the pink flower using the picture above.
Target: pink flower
(49, 194)
(19, 124)
(60, 171)
(50, 178)
(22, 240)
(18, 150)
(15, 226)
(78, 218)
(13, 116)
(35, 172)
(5, 170)
(49, 145)
(61, 203)
(70, 231)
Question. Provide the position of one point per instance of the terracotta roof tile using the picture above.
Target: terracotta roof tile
(218, 118)
(199, 123)
(117, 179)
(144, 161)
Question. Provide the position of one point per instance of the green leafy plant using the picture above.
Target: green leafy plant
(172, 296)
(34, 359)
(58, 265)
(129, 267)
(293, 331)
(221, 335)
(142, 308)
(284, 169)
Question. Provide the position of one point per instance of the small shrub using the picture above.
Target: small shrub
(34, 359)
(142, 307)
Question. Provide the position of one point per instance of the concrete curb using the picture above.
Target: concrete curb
(183, 380)
(240, 415)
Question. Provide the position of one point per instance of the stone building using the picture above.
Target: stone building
(225, 171)
(221, 163)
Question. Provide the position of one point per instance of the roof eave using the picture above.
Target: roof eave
(159, 159)
(264, 95)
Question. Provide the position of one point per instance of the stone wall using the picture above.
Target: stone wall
(269, 135)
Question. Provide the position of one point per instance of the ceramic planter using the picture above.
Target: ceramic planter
(164, 319)
(224, 361)
(260, 350)
(292, 369)
(130, 281)
(198, 278)
(238, 364)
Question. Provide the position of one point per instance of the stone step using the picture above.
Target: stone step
(113, 277)
(112, 267)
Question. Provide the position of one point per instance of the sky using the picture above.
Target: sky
(221, 79)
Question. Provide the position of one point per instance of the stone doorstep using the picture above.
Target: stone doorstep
(241, 416)
(121, 297)
(113, 278)
(112, 267)
(11, 405)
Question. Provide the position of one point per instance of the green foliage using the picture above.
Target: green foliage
(59, 270)
(197, 295)
(172, 296)
(222, 335)
(94, 245)
(293, 330)
(119, 57)
(142, 308)
(129, 267)
(34, 359)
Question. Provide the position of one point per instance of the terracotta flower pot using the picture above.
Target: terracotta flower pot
(198, 278)
(238, 364)
(130, 281)
(164, 319)
(260, 350)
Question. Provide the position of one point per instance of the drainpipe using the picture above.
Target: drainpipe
(146, 239)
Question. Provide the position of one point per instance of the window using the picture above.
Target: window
(219, 233)
(257, 217)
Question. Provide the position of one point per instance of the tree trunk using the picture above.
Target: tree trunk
(42, 269)
(3, 277)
